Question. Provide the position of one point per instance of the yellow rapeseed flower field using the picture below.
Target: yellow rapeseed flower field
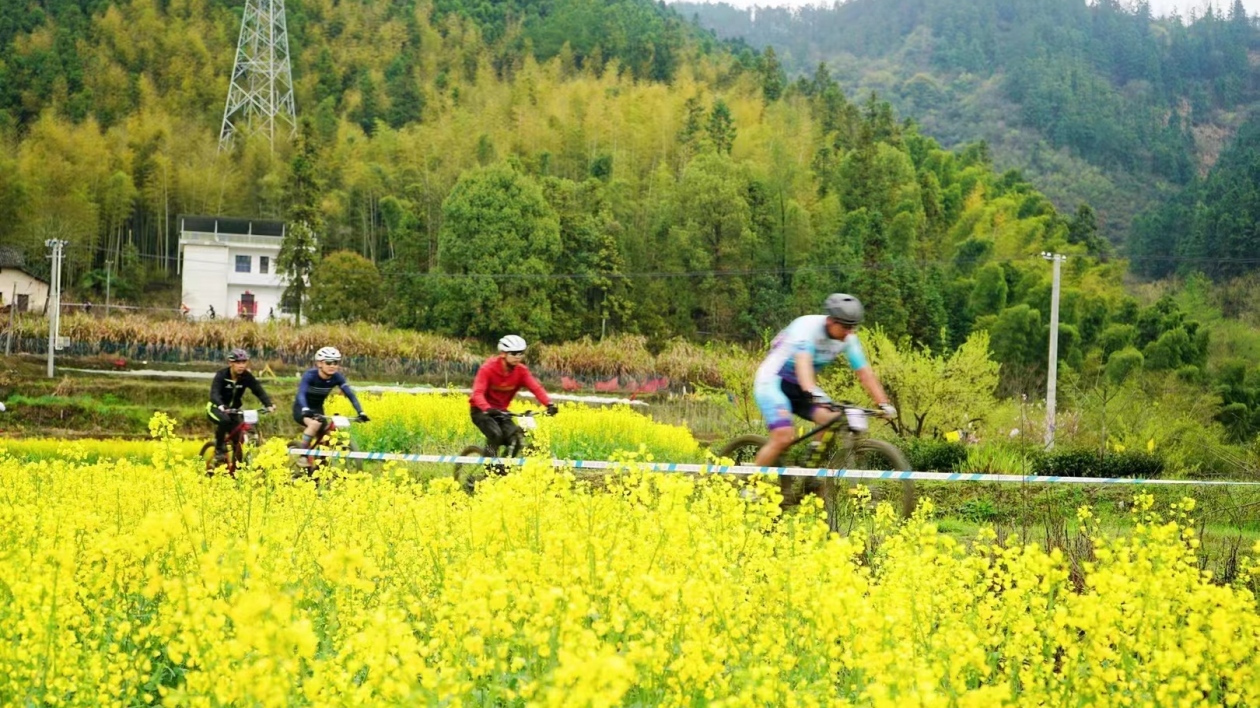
(126, 582)
(440, 424)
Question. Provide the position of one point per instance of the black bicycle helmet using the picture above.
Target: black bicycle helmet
(238, 354)
(844, 309)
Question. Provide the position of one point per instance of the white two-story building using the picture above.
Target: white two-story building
(229, 264)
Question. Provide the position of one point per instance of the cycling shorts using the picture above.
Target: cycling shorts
(299, 418)
(779, 399)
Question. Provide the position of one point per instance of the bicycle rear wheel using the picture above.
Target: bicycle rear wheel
(743, 449)
(467, 474)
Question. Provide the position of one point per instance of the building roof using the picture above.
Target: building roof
(231, 225)
(29, 274)
(11, 258)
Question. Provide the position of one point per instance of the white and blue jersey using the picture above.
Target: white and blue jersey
(776, 388)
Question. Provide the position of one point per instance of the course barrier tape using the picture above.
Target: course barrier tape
(881, 475)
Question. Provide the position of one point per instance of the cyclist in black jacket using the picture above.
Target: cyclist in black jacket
(226, 392)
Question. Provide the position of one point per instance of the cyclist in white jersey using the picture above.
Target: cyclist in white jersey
(786, 381)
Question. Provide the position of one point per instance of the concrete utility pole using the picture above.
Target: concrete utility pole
(1052, 375)
(107, 281)
(8, 341)
(54, 317)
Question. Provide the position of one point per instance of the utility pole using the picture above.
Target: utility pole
(107, 282)
(1052, 374)
(8, 341)
(54, 317)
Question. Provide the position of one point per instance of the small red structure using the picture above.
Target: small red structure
(246, 307)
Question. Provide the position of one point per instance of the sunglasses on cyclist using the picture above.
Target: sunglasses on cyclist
(520, 353)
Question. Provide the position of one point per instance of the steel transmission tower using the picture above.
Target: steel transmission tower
(260, 99)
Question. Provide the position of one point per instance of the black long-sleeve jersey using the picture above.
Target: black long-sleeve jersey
(228, 393)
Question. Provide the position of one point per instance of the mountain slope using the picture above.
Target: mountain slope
(1096, 102)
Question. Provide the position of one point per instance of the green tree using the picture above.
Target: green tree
(595, 297)
(406, 101)
(714, 235)
(1123, 364)
(772, 77)
(299, 250)
(1019, 342)
(345, 287)
(721, 127)
(932, 392)
(499, 241)
(1239, 388)
(988, 297)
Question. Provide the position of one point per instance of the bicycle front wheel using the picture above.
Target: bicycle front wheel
(467, 474)
(207, 454)
(872, 454)
(354, 463)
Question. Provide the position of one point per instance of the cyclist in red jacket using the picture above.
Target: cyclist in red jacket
(496, 384)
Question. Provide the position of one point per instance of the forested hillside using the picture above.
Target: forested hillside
(1094, 102)
(646, 180)
(1213, 226)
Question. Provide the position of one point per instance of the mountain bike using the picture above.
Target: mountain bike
(240, 441)
(840, 444)
(519, 441)
(325, 439)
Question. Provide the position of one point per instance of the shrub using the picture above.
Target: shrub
(928, 455)
(1077, 462)
(1132, 463)
(1067, 462)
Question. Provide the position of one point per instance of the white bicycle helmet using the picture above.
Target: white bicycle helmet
(512, 343)
(328, 354)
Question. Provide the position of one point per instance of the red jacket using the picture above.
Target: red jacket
(495, 386)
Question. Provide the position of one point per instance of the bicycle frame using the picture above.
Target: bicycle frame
(237, 433)
(329, 424)
(828, 446)
(520, 435)
(236, 438)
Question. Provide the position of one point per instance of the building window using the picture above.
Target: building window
(263, 264)
(23, 303)
(242, 264)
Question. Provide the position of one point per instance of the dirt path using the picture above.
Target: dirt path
(367, 388)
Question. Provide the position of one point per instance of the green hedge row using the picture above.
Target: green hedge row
(928, 455)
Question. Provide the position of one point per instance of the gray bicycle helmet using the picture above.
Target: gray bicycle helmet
(238, 354)
(844, 309)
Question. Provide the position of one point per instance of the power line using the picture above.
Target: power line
(729, 273)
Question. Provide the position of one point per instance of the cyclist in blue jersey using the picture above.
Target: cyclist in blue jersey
(315, 386)
(786, 381)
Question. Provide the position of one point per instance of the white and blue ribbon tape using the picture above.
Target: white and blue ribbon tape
(877, 475)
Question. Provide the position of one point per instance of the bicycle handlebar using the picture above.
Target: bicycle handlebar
(322, 418)
(532, 413)
(841, 406)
